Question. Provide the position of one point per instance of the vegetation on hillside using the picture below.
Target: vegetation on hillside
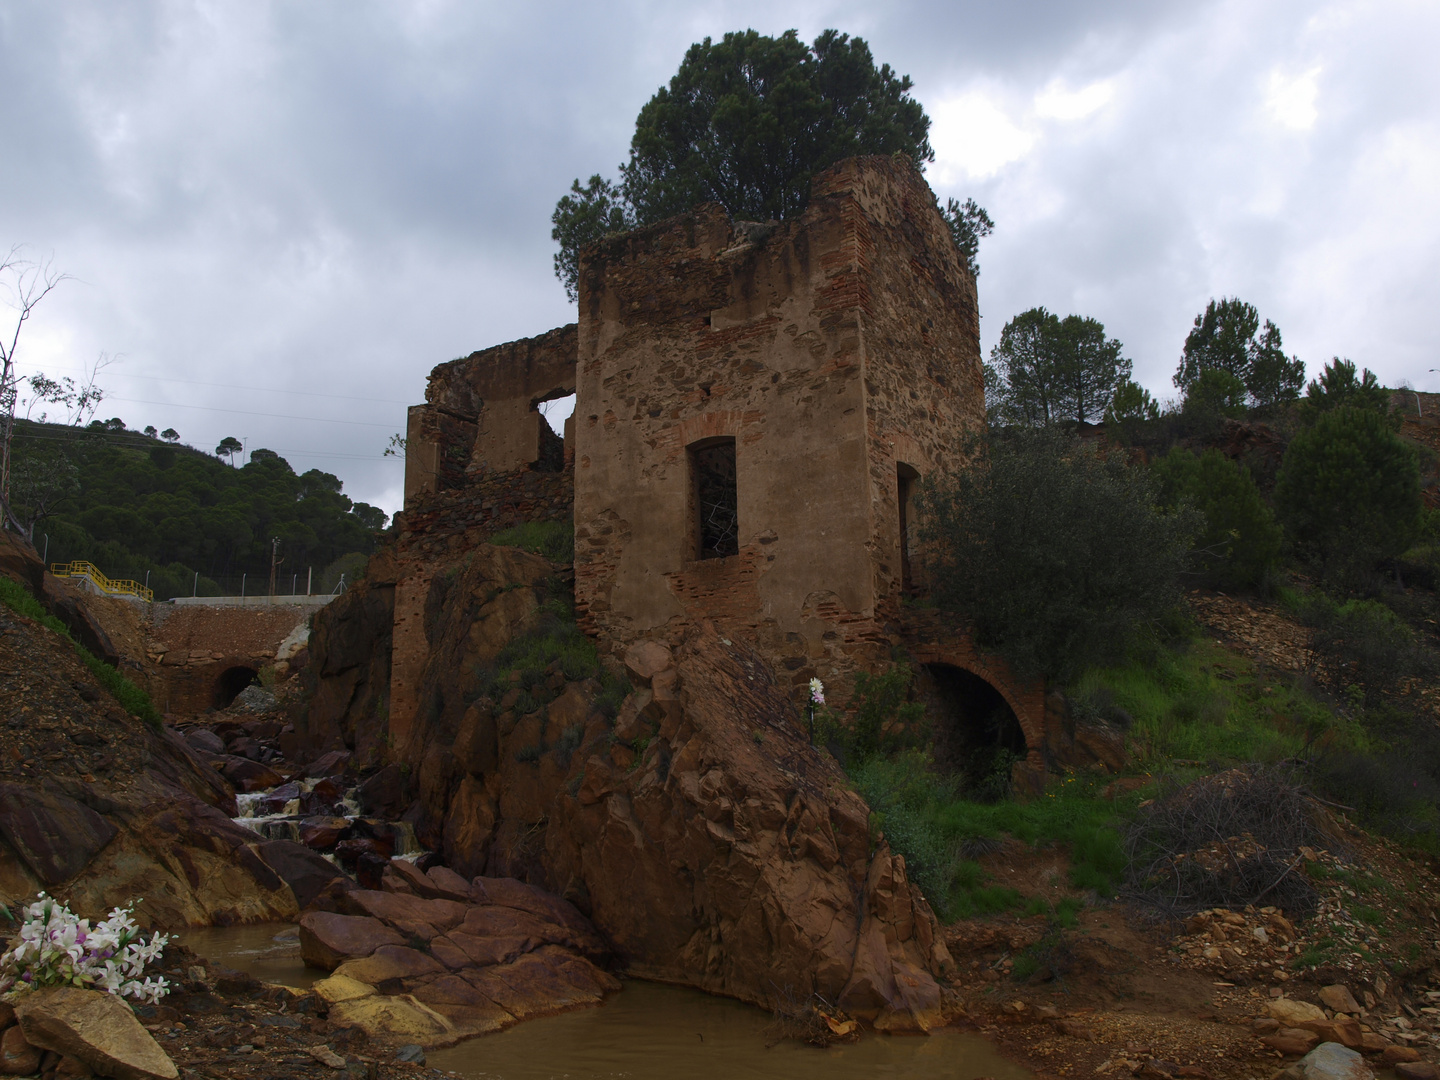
(137, 504)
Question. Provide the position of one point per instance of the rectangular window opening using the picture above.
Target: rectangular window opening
(716, 499)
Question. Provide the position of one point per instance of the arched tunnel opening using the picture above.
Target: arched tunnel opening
(231, 682)
(977, 734)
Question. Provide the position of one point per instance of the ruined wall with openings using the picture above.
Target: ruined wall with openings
(831, 349)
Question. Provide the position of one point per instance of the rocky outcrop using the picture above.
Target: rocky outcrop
(347, 673)
(708, 842)
(434, 958)
(100, 808)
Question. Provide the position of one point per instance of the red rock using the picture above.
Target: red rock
(1373, 1042)
(322, 833)
(507, 892)
(329, 764)
(484, 951)
(1345, 1032)
(1292, 1041)
(646, 659)
(1416, 1070)
(249, 776)
(393, 907)
(17, 1056)
(449, 885)
(55, 835)
(327, 940)
(1394, 1055)
(449, 954)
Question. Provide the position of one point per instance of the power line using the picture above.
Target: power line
(234, 386)
(246, 412)
(144, 442)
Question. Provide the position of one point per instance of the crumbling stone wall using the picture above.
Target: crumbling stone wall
(832, 349)
(480, 412)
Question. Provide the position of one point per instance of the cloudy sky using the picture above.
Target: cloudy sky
(280, 216)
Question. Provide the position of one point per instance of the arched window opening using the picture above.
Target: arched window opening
(230, 683)
(977, 734)
(715, 500)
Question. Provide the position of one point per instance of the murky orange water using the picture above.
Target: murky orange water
(645, 1032)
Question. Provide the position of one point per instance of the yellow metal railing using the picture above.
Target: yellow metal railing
(100, 581)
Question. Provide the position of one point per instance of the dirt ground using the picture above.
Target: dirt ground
(1117, 994)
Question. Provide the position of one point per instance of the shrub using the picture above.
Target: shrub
(1240, 543)
(555, 540)
(1362, 644)
(880, 716)
(1054, 553)
(1349, 492)
(1226, 840)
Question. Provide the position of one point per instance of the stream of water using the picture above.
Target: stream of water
(646, 1032)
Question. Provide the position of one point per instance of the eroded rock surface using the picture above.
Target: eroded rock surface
(432, 958)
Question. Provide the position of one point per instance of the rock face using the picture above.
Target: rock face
(434, 958)
(101, 808)
(95, 1028)
(708, 842)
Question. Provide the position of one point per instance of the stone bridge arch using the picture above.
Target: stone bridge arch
(932, 642)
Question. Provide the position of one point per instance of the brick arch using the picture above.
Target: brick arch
(1026, 699)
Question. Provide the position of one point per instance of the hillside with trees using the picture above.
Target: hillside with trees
(140, 503)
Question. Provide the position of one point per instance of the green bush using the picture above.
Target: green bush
(1055, 554)
(1362, 644)
(924, 818)
(1349, 492)
(131, 698)
(1239, 545)
(881, 719)
(555, 540)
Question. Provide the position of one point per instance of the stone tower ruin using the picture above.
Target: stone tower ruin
(755, 404)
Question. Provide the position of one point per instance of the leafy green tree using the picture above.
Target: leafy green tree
(1228, 337)
(1217, 395)
(969, 224)
(1131, 408)
(229, 447)
(1027, 361)
(1050, 369)
(1348, 491)
(1239, 545)
(1339, 386)
(747, 122)
(170, 435)
(1091, 368)
(1055, 554)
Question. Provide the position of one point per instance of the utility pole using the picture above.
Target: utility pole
(275, 562)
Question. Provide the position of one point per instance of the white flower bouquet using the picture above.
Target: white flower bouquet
(54, 948)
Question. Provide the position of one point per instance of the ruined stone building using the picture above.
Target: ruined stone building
(754, 405)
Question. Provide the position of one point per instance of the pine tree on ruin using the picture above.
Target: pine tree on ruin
(747, 122)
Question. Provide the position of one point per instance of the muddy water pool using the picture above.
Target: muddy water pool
(646, 1032)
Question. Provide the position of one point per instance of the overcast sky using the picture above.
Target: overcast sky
(276, 214)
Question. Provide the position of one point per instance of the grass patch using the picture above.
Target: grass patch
(131, 698)
(924, 818)
(554, 643)
(555, 540)
(1205, 703)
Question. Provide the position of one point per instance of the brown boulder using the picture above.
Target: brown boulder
(247, 775)
(646, 659)
(1394, 1055)
(1337, 998)
(1292, 1041)
(1344, 1032)
(322, 833)
(327, 940)
(17, 1056)
(1416, 1070)
(95, 1028)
